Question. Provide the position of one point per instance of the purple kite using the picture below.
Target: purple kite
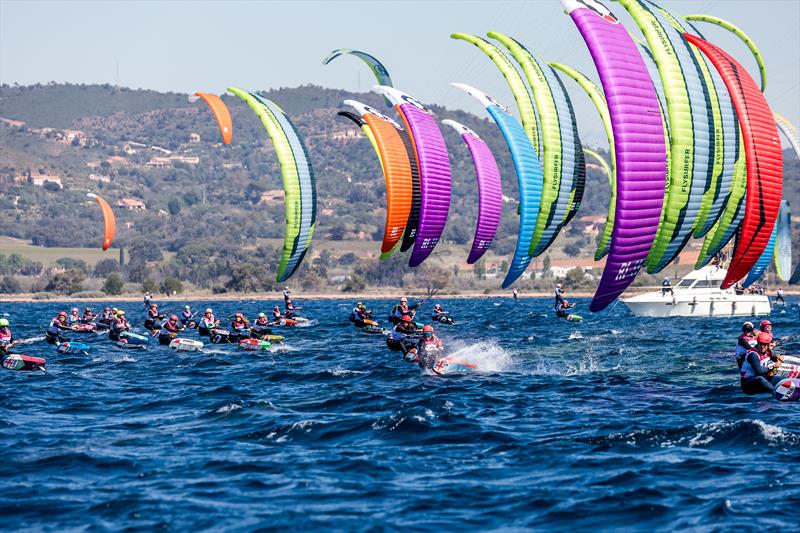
(490, 191)
(639, 142)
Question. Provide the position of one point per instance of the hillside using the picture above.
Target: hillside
(212, 199)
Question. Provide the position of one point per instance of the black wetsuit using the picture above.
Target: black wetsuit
(168, 332)
(426, 356)
(754, 376)
(259, 330)
(53, 333)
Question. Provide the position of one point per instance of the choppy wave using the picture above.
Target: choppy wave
(611, 423)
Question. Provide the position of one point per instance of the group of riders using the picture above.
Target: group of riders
(167, 327)
(756, 359)
(417, 342)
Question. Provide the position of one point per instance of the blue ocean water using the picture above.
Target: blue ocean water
(615, 422)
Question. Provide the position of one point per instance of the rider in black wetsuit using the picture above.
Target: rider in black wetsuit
(401, 338)
(754, 375)
(57, 325)
(169, 330)
(260, 327)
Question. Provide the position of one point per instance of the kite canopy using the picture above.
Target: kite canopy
(377, 68)
(109, 221)
(560, 151)
(490, 190)
(299, 182)
(220, 111)
(763, 262)
(433, 163)
(396, 170)
(763, 157)
(639, 144)
(529, 176)
(783, 242)
(743, 36)
(690, 128)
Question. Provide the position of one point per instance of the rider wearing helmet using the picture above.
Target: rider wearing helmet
(758, 366)
(429, 347)
(403, 335)
(187, 316)
(239, 322)
(260, 327)
(745, 342)
(360, 314)
(169, 330)
(6, 337)
(74, 316)
(88, 316)
(57, 325)
(207, 323)
(151, 320)
(402, 309)
(440, 315)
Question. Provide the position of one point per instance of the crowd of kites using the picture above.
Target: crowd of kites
(694, 152)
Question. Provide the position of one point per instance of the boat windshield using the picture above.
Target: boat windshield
(686, 282)
(703, 284)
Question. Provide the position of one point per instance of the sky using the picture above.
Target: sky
(186, 46)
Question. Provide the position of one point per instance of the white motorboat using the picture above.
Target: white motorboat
(699, 294)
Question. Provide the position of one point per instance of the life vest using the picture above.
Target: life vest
(5, 334)
(741, 351)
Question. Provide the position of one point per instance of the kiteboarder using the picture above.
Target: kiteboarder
(169, 330)
(53, 333)
(558, 296)
(187, 317)
(754, 375)
(6, 337)
(779, 297)
(402, 309)
(119, 326)
(239, 323)
(260, 327)
(106, 317)
(75, 316)
(148, 298)
(440, 315)
(207, 323)
(88, 316)
(288, 305)
(745, 342)
(152, 318)
(403, 335)
(429, 348)
(277, 316)
(361, 316)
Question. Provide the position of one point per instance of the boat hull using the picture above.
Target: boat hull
(719, 305)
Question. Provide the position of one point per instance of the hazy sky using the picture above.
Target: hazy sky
(190, 45)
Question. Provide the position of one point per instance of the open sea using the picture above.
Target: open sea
(616, 423)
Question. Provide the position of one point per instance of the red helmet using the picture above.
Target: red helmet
(765, 323)
(427, 328)
(62, 313)
(764, 338)
(406, 318)
(173, 318)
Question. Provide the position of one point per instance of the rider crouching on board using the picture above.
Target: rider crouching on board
(429, 348)
(754, 375)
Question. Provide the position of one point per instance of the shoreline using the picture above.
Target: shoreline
(277, 296)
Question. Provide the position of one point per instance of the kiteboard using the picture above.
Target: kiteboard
(186, 345)
(253, 345)
(452, 364)
(574, 318)
(443, 319)
(125, 345)
(21, 362)
(788, 390)
(133, 338)
(91, 327)
(73, 347)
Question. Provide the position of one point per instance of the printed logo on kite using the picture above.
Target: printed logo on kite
(602, 11)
